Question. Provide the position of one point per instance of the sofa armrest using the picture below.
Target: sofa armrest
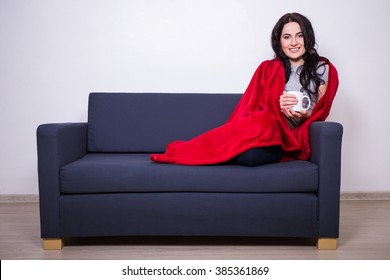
(58, 144)
(325, 141)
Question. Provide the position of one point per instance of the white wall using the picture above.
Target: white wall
(53, 53)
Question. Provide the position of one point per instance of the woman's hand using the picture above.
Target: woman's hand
(287, 101)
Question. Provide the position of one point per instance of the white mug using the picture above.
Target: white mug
(299, 106)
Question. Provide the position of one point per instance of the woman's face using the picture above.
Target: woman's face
(292, 42)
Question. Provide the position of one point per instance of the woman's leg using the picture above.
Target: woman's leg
(258, 156)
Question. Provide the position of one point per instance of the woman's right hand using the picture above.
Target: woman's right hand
(287, 101)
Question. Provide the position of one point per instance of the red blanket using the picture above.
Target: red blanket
(257, 121)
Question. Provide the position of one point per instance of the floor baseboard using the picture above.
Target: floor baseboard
(365, 196)
(17, 198)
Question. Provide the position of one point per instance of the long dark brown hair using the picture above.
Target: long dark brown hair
(308, 73)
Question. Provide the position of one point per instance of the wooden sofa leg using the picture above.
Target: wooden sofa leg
(53, 243)
(327, 244)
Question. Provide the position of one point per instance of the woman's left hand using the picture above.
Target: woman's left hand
(299, 116)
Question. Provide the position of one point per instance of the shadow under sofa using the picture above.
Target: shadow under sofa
(96, 178)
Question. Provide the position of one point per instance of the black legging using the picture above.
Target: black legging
(258, 156)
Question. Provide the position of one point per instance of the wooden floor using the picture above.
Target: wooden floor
(364, 234)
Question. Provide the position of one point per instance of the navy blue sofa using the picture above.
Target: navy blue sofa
(96, 178)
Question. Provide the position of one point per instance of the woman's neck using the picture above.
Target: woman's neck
(296, 63)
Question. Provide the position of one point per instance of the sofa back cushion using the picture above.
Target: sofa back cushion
(147, 122)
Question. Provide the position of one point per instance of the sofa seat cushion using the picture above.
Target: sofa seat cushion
(132, 172)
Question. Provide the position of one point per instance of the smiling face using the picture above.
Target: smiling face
(292, 43)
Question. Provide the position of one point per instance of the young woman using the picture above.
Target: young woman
(293, 42)
(264, 128)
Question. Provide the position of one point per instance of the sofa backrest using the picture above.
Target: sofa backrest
(147, 122)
